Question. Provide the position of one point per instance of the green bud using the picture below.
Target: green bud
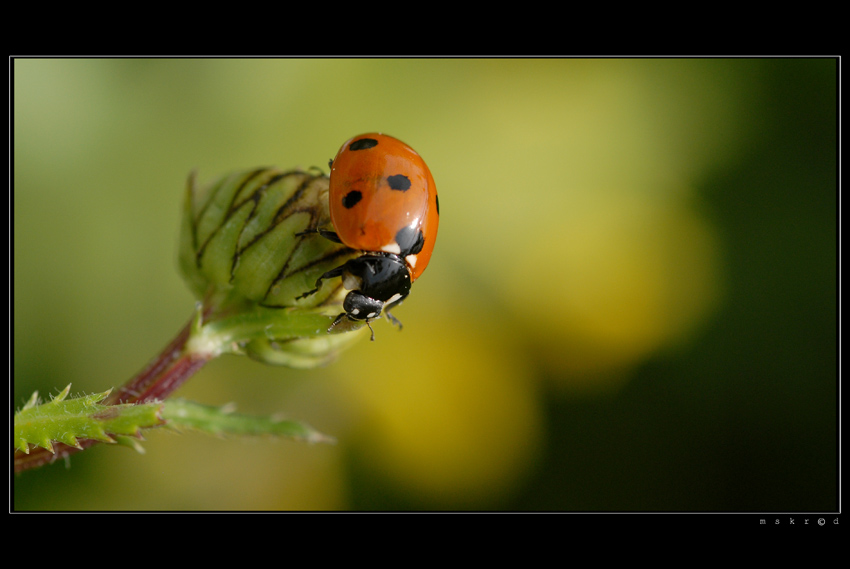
(240, 234)
(242, 252)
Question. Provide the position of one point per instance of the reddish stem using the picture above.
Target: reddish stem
(157, 381)
(162, 375)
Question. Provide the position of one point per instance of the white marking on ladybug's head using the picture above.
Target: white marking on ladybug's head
(371, 315)
(355, 311)
(393, 248)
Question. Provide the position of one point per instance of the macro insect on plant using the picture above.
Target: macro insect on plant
(260, 249)
(383, 202)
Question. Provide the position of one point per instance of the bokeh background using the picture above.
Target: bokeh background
(631, 305)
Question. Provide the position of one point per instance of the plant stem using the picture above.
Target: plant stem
(162, 376)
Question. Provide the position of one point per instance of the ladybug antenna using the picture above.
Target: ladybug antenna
(371, 330)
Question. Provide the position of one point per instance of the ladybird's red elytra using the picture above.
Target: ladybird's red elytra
(383, 202)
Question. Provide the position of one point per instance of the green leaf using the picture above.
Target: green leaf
(181, 414)
(70, 420)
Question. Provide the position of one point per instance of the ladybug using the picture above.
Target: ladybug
(383, 202)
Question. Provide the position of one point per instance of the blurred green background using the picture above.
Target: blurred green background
(631, 305)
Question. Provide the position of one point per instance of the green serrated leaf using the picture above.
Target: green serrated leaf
(181, 414)
(70, 420)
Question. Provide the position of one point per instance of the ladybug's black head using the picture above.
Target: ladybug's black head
(358, 306)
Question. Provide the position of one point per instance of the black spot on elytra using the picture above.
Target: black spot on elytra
(409, 240)
(399, 182)
(437, 199)
(351, 199)
(363, 144)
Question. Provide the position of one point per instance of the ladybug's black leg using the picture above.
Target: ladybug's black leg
(394, 320)
(390, 317)
(337, 272)
(329, 235)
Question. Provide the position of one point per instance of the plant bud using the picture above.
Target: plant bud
(244, 251)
